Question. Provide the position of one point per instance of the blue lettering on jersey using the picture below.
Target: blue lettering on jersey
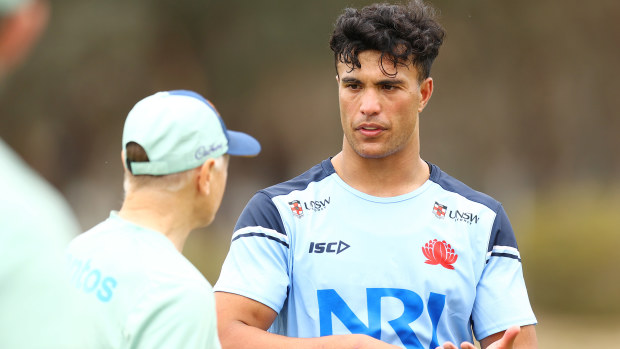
(330, 303)
(88, 280)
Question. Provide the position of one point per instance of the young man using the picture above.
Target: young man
(143, 293)
(375, 245)
(37, 308)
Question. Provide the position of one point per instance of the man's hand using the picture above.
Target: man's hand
(505, 342)
(243, 323)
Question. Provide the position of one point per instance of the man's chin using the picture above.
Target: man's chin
(369, 154)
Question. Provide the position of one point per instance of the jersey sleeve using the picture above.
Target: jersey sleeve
(181, 317)
(257, 265)
(501, 295)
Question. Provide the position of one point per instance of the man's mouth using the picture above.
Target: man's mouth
(370, 130)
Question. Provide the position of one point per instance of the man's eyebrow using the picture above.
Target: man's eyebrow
(390, 82)
(350, 80)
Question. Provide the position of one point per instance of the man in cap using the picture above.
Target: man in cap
(37, 307)
(143, 291)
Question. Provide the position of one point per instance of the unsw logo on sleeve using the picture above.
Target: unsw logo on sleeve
(297, 207)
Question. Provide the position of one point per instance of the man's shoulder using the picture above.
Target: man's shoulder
(264, 207)
(315, 174)
(35, 206)
(453, 185)
(97, 236)
(131, 251)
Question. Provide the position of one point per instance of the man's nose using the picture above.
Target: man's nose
(370, 104)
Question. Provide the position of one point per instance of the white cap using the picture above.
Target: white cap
(179, 130)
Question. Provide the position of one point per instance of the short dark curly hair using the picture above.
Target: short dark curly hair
(403, 34)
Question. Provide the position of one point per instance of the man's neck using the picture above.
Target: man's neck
(161, 212)
(390, 176)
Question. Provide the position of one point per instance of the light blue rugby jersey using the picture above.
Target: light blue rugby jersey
(414, 270)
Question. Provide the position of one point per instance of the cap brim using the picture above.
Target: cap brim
(241, 144)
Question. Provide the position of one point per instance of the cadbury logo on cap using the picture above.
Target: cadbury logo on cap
(203, 152)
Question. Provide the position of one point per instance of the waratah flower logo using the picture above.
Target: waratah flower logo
(439, 252)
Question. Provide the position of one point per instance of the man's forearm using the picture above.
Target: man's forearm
(242, 336)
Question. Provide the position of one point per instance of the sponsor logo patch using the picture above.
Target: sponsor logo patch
(440, 211)
(328, 247)
(316, 205)
(298, 207)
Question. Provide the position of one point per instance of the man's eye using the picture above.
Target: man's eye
(353, 86)
(389, 87)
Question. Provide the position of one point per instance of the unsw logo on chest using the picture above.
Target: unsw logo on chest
(297, 207)
(440, 211)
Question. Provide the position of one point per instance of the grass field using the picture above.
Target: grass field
(577, 332)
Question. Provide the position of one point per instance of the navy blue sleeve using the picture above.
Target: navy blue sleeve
(260, 212)
(502, 242)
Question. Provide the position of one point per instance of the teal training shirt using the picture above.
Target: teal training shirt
(37, 308)
(143, 292)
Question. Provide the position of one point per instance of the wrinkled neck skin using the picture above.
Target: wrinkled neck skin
(167, 213)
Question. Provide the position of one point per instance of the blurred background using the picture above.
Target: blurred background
(525, 108)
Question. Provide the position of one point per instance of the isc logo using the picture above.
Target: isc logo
(330, 303)
(328, 247)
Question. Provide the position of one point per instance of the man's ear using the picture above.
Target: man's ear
(426, 91)
(123, 159)
(204, 176)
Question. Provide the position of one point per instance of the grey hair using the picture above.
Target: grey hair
(171, 183)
